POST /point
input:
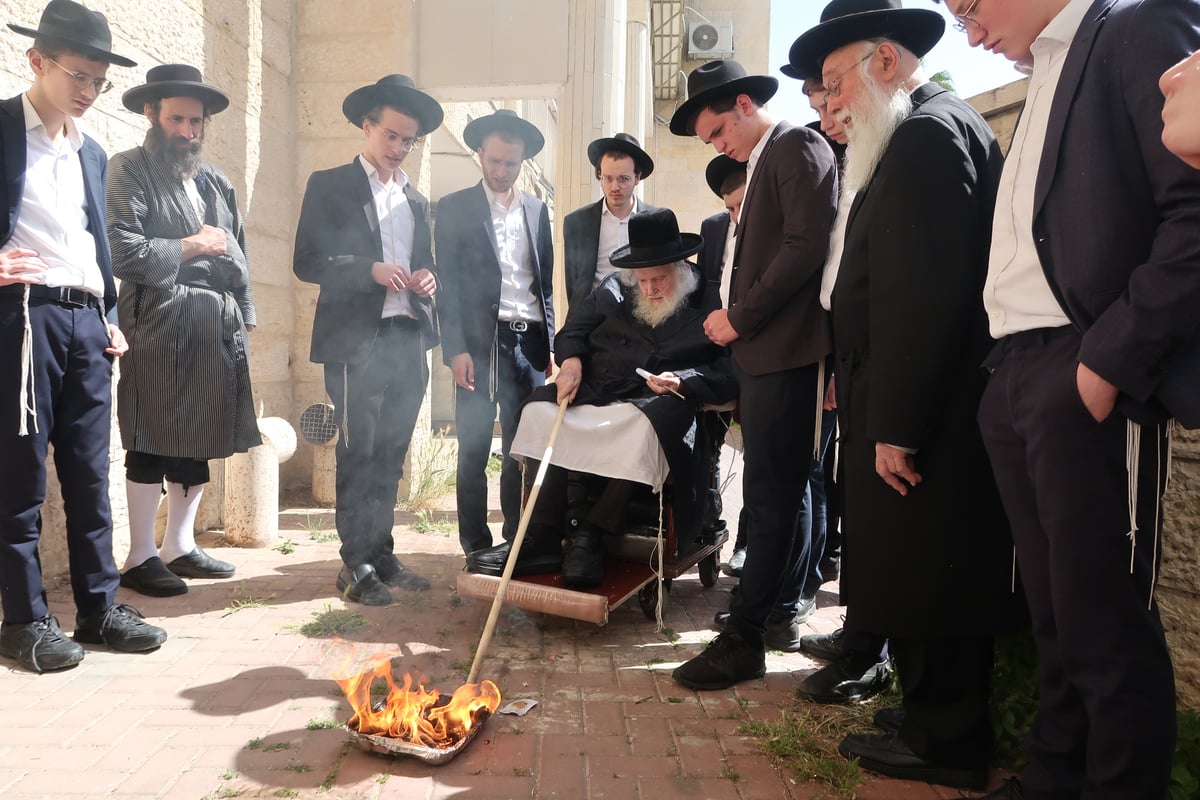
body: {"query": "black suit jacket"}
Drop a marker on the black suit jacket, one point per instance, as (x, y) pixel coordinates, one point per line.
(337, 241)
(12, 189)
(1117, 216)
(470, 274)
(581, 238)
(711, 258)
(782, 244)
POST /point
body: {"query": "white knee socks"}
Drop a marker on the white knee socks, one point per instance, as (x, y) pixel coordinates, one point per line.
(181, 521)
(143, 507)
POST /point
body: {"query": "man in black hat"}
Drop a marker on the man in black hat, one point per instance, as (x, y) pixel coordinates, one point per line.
(779, 336)
(179, 249)
(364, 237)
(647, 316)
(496, 249)
(591, 233)
(58, 335)
(1091, 291)
(910, 333)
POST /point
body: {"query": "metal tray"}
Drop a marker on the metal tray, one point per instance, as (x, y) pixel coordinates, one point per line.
(390, 746)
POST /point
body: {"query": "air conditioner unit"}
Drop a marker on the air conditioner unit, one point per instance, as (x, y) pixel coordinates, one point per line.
(710, 38)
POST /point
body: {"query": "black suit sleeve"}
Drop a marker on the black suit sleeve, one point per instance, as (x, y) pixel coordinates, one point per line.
(452, 256)
(318, 257)
(545, 247)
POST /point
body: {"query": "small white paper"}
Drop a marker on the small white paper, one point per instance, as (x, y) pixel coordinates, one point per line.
(518, 707)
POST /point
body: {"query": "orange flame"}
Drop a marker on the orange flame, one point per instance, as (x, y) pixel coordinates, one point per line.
(411, 712)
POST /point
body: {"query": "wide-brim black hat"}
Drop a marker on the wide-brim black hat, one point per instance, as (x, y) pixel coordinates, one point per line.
(83, 30)
(719, 169)
(655, 240)
(714, 80)
(847, 21)
(175, 80)
(622, 143)
(397, 90)
(505, 121)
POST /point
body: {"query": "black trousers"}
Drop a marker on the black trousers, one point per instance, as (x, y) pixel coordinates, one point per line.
(73, 389)
(1105, 726)
(376, 404)
(778, 417)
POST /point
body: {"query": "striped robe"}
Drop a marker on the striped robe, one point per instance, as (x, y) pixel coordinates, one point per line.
(185, 382)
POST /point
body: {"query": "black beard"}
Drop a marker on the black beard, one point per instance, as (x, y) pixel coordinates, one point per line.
(183, 162)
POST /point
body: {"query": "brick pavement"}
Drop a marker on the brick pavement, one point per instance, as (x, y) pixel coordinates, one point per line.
(235, 703)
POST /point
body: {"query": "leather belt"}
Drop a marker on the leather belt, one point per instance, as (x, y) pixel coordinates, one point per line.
(63, 295)
(519, 325)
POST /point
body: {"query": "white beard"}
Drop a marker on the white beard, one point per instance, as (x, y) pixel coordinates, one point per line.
(656, 313)
(874, 119)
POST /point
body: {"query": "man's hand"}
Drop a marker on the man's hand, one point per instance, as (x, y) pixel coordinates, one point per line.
(422, 283)
(718, 329)
(392, 276)
(1098, 395)
(892, 464)
(664, 382)
(19, 265)
(117, 346)
(463, 368)
(570, 374)
(830, 395)
(208, 241)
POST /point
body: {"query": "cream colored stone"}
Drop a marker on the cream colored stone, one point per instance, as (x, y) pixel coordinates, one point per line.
(252, 482)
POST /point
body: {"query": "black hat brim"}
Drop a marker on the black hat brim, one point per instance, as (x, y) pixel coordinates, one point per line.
(429, 113)
(761, 87)
(641, 159)
(215, 101)
(918, 29)
(83, 49)
(625, 258)
(718, 170)
(478, 129)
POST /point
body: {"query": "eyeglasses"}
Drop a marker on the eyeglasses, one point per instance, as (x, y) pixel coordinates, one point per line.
(621, 180)
(833, 88)
(965, 21)
(83, 80)
(407, 142)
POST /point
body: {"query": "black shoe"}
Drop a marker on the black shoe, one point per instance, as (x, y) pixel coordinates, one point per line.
(532, 560)
(804, 610)
(39, 646)
(393, 573)
(729, 659)
(783, 635)
(583, 564)
(121, 628)
(825, 646)
(849, 679)
(362, 585)
(199, 564)
(151, 577)
(830, 567)
(733, 567)
(1009, 790)
(887, 754)
(889, 719)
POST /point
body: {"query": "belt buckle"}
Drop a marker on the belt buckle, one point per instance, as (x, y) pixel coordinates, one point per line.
(65, 296)
(519, 325)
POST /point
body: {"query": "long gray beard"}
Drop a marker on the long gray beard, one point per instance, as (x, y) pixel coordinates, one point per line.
(183, 164)
(874, 119)
(655, 314)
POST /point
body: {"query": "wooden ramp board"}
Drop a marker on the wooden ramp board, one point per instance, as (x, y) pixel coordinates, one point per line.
(548, 595)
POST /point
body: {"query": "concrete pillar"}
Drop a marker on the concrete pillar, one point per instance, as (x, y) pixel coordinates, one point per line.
(252, 482)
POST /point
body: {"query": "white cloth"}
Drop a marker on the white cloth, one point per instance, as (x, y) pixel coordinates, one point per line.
(837, 243)
(752, 164)
(727, 261)
(517, 300)
(193, 195)
(396, 229)
(616, 441)
(1016, 295)
(53, 219)
(614, 233)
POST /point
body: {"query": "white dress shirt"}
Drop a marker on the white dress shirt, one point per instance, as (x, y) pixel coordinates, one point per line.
(53, 219)
(1016, 295)
(752, 164)
(837, 243)
(614, 233)
(517, 300)
(193, 195)
(727, 260)
(396, 229)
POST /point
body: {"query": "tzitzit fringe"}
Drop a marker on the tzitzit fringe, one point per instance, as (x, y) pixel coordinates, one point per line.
(658, 570)
(1133, 444)
(28, 397)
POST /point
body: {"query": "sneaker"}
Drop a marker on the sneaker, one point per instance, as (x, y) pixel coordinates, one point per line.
(122, 628)
(199, 564)
(851, 678)
(728, 660)
(152, 578)
(825, 646)
(39, 646)
(783, 635)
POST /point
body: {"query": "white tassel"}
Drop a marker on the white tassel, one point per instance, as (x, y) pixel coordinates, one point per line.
(820, 409)
(1158, 462)
(1133, 447)
(28, 397)
(1013, 579)
(659, 570)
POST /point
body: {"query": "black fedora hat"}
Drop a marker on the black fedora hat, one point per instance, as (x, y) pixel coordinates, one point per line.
(175, 80)
(655, 240)
(506, 121)
(622, 143)
(81, 29)
(719, 169)
(714, 80)
(847, 21)
(399, 90)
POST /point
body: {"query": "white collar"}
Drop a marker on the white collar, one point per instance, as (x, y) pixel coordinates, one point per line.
(33, 120)
(398, 175)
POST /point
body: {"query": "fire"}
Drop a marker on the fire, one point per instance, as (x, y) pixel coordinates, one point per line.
(412, 712)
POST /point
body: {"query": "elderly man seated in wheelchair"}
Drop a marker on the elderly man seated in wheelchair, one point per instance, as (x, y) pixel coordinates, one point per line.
(636, 367)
